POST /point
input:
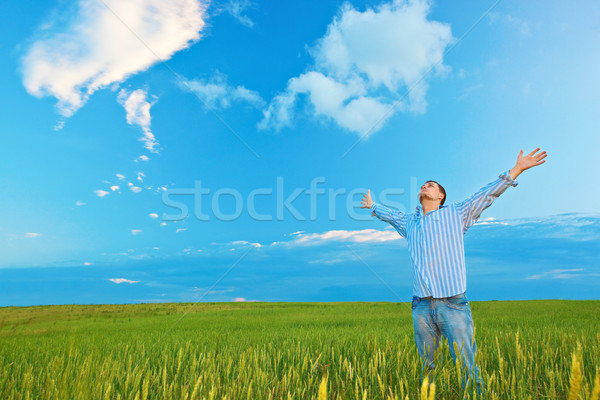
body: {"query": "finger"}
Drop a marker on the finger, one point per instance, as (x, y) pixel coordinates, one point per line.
(542, 157)
(533, 152)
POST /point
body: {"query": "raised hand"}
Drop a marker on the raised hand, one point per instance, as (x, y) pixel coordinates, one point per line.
(366, 201)
(530, 160)
(525, 162)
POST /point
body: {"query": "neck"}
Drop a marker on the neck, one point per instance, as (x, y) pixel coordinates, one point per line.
(429, 206)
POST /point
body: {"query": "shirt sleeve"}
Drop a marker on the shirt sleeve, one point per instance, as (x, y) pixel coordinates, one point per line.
(395, 218)
(471, 208)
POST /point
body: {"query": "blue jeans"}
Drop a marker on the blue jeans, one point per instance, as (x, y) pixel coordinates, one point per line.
(448, 317)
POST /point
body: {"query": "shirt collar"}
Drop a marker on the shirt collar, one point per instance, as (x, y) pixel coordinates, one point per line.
(419, 209)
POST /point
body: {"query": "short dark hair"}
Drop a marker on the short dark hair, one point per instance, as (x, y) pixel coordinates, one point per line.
(441, 189)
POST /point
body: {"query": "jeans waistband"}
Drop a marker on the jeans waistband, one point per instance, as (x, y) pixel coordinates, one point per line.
(458, 296)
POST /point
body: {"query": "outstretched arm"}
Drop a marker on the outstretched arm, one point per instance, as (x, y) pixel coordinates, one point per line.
(526, 162)
(471, 208)
(395, 218)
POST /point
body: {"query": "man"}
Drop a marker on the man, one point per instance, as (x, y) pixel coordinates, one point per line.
(435, 244)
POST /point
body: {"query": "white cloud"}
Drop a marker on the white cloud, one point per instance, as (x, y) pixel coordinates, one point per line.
(135, 231)
(101, 193)
(79, 203)
(364, 64)
(121, 280)
(114, 188)
(135, 189)
(137, 108)
(572, 226)
(565, 273)
(31, 234)
(242, 300)
(59, 125)
(153, 215)
(87, 264)
(120, 176)
(519, 24)
(217, 93)
(237, 9)
(490, 221)
(142, 158)
(180, 230)
(326, 261)
(361, 236)
(245, 242)
(94, 48)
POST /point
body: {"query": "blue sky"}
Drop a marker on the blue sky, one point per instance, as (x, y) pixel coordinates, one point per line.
(108, 109)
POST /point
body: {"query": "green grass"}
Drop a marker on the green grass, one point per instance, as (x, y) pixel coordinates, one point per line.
(284, 350)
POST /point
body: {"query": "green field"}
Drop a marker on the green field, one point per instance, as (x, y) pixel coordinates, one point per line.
(526, 350)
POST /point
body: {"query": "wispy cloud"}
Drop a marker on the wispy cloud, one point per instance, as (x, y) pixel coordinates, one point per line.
(363, 65)
(300, 238)
(137, 108)
(120, 176)
(133, 188)
(490, 221)
(245, 242)
(79, 203)
(96, 46)
(360, 236)
(327, 261)
(565, 273)
(135, 231)
(219, 94)
(101, 193)
(121, 280)
(521, 25)
(153, 215)
(237, 9)
(572, 226)
(30, 235)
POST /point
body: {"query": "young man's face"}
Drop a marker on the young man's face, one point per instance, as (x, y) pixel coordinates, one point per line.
(430, 191)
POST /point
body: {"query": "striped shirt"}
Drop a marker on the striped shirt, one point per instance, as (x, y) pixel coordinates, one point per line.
(435, 240)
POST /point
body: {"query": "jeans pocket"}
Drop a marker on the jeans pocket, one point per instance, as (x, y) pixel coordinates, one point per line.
(415, 301)
(457, 302)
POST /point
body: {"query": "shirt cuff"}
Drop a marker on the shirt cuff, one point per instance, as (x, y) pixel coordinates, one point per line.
(506, 176)
(372, 209)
